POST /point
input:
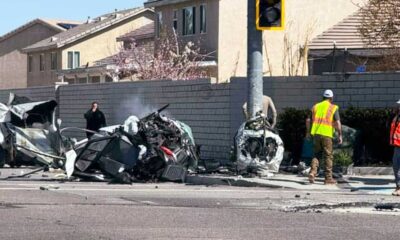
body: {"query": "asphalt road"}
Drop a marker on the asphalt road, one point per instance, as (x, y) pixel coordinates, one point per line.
(79, 210)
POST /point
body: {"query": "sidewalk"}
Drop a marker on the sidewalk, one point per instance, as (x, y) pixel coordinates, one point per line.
(370, 184)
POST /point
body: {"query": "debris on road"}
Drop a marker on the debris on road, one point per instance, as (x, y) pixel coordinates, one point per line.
(152, 148)
(48, 187)
(28, 174)
(29, 134)
(387, 206)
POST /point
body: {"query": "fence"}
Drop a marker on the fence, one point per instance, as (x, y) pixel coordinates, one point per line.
(213, 111)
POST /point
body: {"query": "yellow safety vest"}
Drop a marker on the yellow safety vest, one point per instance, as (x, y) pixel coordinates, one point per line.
(323, 119)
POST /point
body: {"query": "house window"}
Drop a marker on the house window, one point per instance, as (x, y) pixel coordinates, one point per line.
(41, 62)
(159, 23)
(30, 63)
(77, 59)
(203, 19)
(74, 60)
(175, 20)
(189, 21)
(53, 57)
(70, 59)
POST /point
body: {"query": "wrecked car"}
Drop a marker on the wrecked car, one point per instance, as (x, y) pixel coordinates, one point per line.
(152, 148)
(29, 134)
(258, 148)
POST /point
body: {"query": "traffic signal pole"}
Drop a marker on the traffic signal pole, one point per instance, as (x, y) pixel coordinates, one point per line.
(254, 62)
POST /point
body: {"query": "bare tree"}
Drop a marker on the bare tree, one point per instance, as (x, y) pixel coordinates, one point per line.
(380, 31)
(295, 51)
(169, 60)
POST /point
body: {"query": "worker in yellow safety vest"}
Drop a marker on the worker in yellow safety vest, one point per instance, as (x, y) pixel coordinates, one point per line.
(395, 142)
(325, 119)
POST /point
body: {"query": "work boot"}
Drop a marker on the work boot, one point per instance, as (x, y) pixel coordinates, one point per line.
(313, 170)
(311, 178)
(330, 181)
(396, 192)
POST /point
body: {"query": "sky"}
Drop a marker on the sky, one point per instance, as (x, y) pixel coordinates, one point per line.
(14, 13)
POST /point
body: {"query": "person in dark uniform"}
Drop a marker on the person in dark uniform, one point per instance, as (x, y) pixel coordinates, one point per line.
(95, 119)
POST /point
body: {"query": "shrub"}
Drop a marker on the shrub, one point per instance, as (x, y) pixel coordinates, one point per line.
(343, 158)
(292, 129)
(372, 145)
(372, 142)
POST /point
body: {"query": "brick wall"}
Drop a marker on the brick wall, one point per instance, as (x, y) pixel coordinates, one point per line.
(203, 106)
(36, 94)
(213, 111)
(369, 90)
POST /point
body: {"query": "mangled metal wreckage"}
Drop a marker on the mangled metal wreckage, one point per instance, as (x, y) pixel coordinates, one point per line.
(258, 148)
(154, 147)
(29, 133)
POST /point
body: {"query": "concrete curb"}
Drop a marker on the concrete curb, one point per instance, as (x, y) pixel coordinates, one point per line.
(229, 181)
(275, 183)
(372, 171)
(294, 182)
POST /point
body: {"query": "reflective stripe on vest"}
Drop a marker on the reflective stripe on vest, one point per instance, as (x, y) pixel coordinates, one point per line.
(323, 113)
(395, 132)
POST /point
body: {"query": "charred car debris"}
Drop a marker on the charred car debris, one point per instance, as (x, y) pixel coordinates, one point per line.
(29, 133)
(154, 147)
(258, 148)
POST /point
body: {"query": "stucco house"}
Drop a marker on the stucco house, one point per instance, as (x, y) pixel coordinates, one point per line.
(341, 48)
(220, 28)
(64, 56)
(13, 62)
(104, 70)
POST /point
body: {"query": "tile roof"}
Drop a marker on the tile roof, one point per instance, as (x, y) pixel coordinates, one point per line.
(147, 31)
(92, 26)
(110, 60)
(345, 34)
(58, 25)
(62, 24)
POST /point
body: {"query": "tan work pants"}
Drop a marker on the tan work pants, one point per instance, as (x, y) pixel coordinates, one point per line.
(323, 150)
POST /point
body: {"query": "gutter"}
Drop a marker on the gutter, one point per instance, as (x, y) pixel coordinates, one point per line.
(160, 3)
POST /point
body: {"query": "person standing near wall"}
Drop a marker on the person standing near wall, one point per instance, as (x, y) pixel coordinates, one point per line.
(268, 104)
(325, 119)
(395, 142)
(95, 119)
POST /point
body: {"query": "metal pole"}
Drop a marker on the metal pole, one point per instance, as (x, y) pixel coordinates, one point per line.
(254, 62)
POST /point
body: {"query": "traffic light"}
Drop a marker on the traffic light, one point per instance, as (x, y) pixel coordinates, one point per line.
(270, 14)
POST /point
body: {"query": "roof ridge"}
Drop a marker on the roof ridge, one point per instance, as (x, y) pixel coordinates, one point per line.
(86, 29)
(33, 22)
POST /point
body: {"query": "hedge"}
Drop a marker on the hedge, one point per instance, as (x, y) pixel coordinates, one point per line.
(372, 145)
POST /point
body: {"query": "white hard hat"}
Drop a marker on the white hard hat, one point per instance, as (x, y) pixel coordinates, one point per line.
(328, 93)
(398, 102)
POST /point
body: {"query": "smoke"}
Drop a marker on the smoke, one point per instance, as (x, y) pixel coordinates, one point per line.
(136, 106)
